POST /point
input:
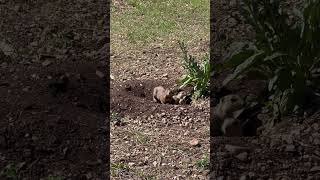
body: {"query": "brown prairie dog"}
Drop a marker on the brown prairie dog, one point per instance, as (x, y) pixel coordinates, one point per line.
(180, 97)
(162, 95)
(225, 115)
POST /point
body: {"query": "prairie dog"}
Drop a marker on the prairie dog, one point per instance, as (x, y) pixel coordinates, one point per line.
(180, 98)
(162, 95)
(225, 115)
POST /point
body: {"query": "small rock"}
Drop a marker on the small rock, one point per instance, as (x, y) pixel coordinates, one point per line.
(46, 63)
(232, 22)
(287, 139)
(233, 3)
(26, 89)
(290, 148)
(165, 75)
(4, 65)
(34, 43)
(89, 175)
(112, 77)
(315, 126)
(155, 163)
(316, 141)
(6, 48)
(220, 178)
(100, 74)
(131, 163)
(233, 149)
(65, 151)
(251, 174)
(243, 177)
(194, 142)
(242, 156)
(315, 169)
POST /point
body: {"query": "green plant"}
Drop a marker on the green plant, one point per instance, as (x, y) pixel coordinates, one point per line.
(286, 54)
(141, 137)
(203, 163)
(10, 172)
(197, 75)
(114, 116)
(116, 168)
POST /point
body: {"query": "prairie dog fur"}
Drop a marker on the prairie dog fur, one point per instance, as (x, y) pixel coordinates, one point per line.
(180, 98)
(162, 95)
(225, 115)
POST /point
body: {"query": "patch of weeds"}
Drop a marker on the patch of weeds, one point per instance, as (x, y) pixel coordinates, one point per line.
(141, 138)
(114, 117)
(203, 163)
(284, 53)
(10, 172)
(198, 75)
(141, 174)
(117, 168)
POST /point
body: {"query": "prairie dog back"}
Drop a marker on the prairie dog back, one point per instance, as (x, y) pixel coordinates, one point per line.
(162, 95)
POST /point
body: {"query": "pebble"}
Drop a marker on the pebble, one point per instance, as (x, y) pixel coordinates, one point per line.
(233, 149)
(4, 65)
(242, 156)
(46, 63)
(26, 89)
(315, 169)
(194, 142)
(100, 74)
(243, 177)
(290, 148)
(155, 163)
(232, 22)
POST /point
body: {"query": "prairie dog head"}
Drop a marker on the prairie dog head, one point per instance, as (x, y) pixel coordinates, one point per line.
(180, 97)
(230, 106)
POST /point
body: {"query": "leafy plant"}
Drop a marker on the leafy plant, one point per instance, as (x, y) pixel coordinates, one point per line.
(10, 172)
(286, 54)
(197, 75)
(116, 168)
(203, 163)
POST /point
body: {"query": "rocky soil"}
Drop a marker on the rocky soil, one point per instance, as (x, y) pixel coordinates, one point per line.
(52, 90)
(289, 150)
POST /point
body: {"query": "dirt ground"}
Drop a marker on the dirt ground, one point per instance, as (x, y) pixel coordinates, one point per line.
(150, 140)
(289, 150)
(154, 139)
(53, 93)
